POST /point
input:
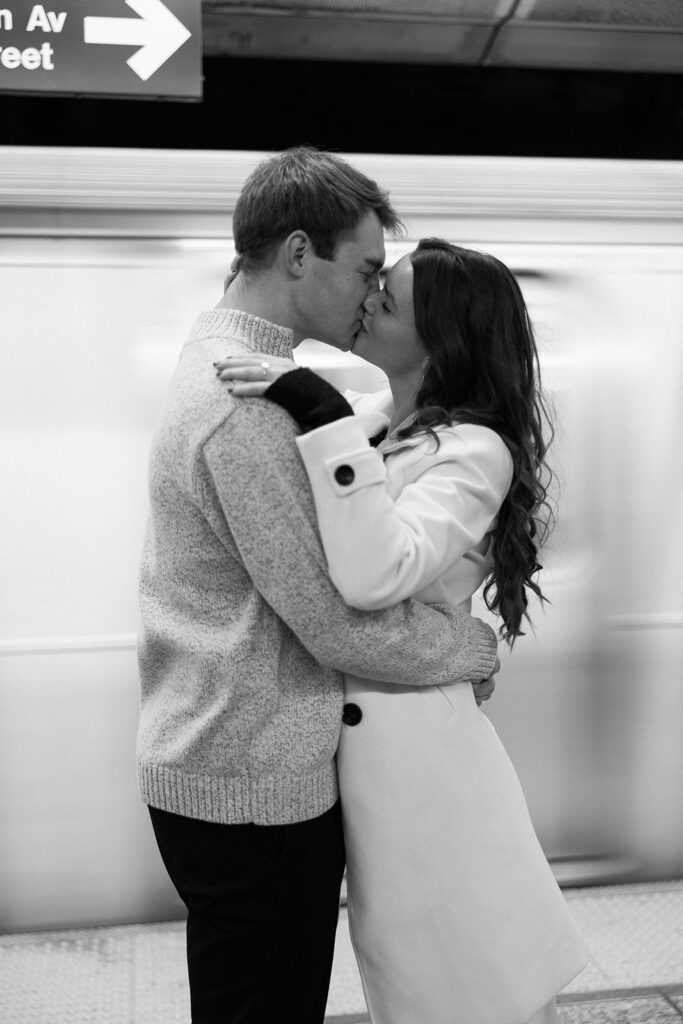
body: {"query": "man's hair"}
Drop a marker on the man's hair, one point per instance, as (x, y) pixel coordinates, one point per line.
(309, 190)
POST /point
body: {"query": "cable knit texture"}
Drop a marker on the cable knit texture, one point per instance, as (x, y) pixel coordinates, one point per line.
(244, 638)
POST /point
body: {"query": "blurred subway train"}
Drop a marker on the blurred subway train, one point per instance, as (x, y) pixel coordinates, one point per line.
(106, 257)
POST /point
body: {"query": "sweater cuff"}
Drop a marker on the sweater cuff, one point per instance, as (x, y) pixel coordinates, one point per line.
(308, 399)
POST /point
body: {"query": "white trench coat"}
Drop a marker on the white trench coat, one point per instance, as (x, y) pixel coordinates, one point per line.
(455, 915)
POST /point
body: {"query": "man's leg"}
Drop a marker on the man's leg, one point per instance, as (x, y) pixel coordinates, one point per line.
(262, 907)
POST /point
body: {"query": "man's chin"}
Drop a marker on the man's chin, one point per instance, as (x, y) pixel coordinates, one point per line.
(358, 344)
(357, 340)
(342, 344)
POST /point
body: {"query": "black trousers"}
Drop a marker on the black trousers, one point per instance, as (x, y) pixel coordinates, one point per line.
(262, 906)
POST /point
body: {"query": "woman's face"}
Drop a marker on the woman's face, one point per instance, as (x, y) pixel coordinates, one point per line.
(388, 337)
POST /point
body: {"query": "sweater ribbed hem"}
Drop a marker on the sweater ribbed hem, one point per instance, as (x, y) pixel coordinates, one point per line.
(256, 334)
(485, 656)
(268, 800)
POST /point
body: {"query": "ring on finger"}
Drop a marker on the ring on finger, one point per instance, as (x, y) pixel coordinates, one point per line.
(266, 367)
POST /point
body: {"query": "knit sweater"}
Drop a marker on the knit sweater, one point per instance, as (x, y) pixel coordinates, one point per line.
(244, 639)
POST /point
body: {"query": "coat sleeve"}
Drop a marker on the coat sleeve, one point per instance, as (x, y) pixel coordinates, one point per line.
(381, 550)
(251, 482)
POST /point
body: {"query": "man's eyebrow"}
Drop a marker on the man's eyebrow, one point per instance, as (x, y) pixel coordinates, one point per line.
(376, 264)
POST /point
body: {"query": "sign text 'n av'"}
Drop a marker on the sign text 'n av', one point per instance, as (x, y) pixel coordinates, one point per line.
(99, 47)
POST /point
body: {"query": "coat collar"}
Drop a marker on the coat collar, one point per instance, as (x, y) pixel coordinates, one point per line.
(374, 412)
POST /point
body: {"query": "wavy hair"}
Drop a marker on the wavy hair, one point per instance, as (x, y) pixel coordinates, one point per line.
(483, 368)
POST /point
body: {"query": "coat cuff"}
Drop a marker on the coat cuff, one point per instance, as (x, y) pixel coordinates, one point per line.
(308, 398)
(339, 457)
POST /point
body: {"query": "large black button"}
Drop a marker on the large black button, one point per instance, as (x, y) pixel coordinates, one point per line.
(352, 714)
(344, 475)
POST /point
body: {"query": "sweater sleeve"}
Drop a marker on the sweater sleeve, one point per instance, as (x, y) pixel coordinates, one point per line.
(250, 480)
(380, 549)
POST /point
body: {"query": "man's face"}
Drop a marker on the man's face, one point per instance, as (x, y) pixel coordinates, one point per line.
(336, 289)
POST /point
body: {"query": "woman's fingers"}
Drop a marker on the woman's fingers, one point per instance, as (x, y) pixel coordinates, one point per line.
(252, 368)
(260, 370)
(253, 389)
(255, 360)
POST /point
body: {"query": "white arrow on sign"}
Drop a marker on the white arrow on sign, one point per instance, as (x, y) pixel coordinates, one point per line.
(156, 31)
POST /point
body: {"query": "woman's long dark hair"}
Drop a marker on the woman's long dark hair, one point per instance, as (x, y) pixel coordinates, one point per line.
(483, 368)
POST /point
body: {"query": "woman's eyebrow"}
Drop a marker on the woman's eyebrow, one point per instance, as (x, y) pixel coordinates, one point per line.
(390, 296)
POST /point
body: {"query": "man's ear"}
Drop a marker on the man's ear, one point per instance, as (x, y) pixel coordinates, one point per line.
(296, 252)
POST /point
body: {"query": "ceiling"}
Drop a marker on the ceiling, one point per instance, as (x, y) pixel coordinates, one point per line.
(600, 35)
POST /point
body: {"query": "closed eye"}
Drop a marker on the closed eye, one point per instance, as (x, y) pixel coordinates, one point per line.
(374, 271)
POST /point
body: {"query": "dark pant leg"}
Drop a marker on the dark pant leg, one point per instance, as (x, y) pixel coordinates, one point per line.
(262, 907)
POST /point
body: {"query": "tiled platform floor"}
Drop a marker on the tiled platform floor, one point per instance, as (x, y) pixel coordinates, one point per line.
(136, 974)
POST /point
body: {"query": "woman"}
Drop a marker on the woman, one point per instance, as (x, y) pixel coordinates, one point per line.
(454, 913)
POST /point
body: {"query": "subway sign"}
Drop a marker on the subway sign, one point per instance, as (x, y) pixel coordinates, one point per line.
(127, 48)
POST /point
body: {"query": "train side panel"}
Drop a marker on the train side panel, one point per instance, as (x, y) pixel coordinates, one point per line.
(101, 276)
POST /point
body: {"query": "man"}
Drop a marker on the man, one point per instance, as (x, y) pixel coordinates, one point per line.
(244, 638)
